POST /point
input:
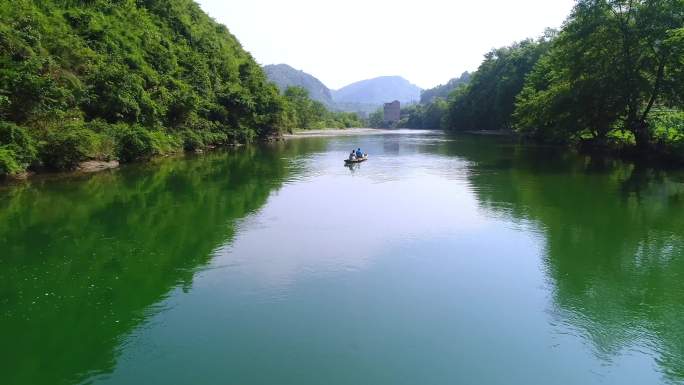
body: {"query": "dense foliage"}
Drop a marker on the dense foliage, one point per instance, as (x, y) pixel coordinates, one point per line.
(613, 76)
(285, 76)
(428, 116)
(126, 79)
(376, 118)
(586, 88)
(443, 90)
(431, 113)
(489, 99)
(305, 113)
(483, 100)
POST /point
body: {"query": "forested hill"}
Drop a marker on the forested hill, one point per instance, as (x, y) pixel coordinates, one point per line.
(443, 90)
(378, 90)
(611, 79)
(285, 76)
(123, 79)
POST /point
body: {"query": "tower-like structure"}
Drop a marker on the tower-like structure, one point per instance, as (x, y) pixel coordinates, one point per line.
(392, 112)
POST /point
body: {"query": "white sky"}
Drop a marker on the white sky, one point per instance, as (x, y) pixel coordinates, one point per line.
(428, 42)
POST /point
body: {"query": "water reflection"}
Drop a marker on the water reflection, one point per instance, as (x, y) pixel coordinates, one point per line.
(414, 261)
(82, 262)
(614, 241)
(353, 167)
(332, 223)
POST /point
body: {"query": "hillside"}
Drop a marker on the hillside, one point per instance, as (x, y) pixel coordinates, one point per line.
(377, 91)
(443, 90)
(285, 76)
(123, 79)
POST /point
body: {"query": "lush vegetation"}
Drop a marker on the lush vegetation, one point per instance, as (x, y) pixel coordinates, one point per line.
(305, 113)
(613, 76)
(125, 79)
(443, 90)
(428, 116)
(431, 112)
(485, 99)
(488, 101)
(130, 79)
(376, 118)
(285, 76)
(586, 88)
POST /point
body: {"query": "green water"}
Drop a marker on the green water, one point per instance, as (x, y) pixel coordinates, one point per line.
(463, 260)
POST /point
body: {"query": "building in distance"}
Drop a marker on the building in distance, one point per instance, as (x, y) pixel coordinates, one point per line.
(392, 112)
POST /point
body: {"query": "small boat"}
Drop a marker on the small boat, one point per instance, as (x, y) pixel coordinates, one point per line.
(357, 160)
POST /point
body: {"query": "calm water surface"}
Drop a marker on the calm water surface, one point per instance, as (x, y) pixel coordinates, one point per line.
(441, 260)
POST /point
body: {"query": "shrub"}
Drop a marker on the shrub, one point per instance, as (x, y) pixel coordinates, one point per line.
(135, 143)
(215, 138)
(18, 140)
(667, 126)
(164, 143)
(8, 162)
(65, 148)
(105, 146)
(192, 141)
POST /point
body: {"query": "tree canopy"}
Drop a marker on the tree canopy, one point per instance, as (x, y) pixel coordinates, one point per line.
(612, 76)
(614, 62)
(488, 101)
(443, 90)
(305, 113)
(124, 79)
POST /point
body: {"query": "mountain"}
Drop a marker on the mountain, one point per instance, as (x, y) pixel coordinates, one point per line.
(364, 96)
(145, 77)
(443, 90)
(285, 76)
(377, 91)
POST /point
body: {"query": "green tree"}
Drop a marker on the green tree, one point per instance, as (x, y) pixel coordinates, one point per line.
(376, 118)
(488, 101)
(305, 113)
(302, 105)
(612, 63)
(443, 90)
(431, 116)
(161, 65)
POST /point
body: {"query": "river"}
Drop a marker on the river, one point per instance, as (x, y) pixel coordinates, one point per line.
(440, 260)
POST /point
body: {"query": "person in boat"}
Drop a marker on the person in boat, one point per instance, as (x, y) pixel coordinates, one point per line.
(352, 156)
(359, 154)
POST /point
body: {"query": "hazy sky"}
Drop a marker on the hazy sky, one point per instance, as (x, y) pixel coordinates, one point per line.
(340, 42)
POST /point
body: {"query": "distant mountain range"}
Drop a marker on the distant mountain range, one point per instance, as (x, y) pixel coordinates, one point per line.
(285, 76)
(363, 96)
(378, 90)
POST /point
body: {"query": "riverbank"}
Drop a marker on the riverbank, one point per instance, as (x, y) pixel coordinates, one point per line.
(510, 133)
(92, 166)
(335, 132)
(87, 167)
(95, 166)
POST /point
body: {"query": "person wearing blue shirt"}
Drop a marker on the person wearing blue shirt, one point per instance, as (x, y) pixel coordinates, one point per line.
(359, 154)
